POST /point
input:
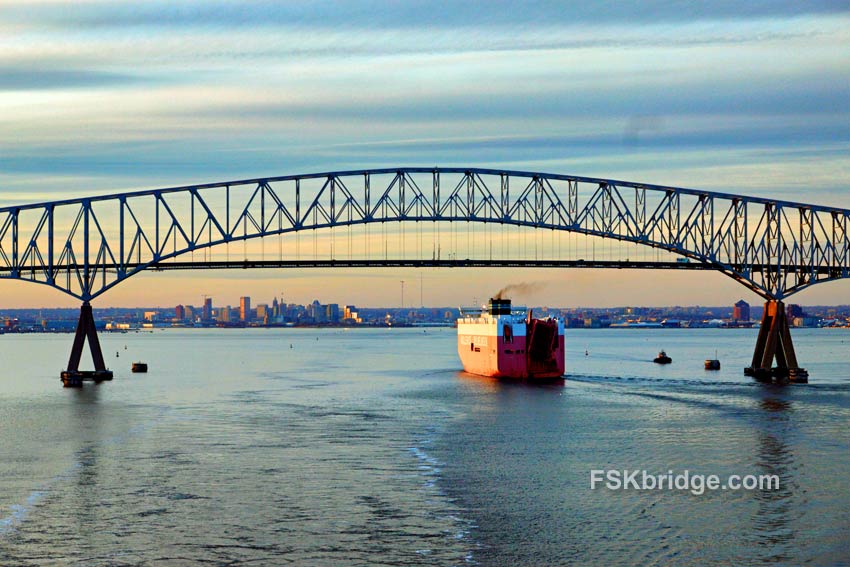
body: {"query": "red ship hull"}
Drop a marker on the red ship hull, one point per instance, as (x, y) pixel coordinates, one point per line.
(509, 361)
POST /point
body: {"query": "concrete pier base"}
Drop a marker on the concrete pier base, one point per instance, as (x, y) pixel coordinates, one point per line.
(774, 342)
(73, 377)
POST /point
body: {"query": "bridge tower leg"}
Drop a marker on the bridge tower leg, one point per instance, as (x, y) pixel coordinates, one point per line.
(774, 341)
(73, 377)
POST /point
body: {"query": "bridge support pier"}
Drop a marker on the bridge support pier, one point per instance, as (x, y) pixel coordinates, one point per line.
(73, 377)
(774, 341)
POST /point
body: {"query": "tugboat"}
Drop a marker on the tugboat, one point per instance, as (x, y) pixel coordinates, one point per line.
(712, 363)
(662, 358)
(502, 343)
(139, 367)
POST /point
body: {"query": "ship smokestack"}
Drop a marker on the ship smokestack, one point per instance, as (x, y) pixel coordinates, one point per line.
(500, 306)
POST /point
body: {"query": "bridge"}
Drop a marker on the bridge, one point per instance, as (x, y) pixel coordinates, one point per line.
(84, 247)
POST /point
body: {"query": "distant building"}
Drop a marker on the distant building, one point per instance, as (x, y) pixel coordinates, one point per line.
(206, 315)
(349, 313)
(224, 314)
(180, 313)
(332, 312)
(741, 311)
(245, 308)
(317, 312)
(150, 315)
(793, 311)
(190, 313)
(805, 321)
(262, 311)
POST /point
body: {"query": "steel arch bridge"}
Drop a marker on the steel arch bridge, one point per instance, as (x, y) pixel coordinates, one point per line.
(86, 246)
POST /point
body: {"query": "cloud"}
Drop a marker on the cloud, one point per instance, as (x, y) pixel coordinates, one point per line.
(820, 102)
(376, 14)
(26, 79)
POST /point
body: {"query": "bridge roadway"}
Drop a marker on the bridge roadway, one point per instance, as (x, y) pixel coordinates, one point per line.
(248, 264)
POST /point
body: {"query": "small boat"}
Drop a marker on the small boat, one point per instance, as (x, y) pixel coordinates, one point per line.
(662, 358)
(712, 363)
(139, 367)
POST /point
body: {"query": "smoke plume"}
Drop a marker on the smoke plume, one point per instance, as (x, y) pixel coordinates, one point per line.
(524, 289)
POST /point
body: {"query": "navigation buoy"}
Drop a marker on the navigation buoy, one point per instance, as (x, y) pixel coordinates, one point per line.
(712, 363)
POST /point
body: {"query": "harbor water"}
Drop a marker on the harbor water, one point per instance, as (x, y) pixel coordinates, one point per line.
(371, 447)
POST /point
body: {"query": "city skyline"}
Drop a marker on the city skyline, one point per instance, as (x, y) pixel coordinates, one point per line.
(210, 304)
(441, 288)
(287, 314)
(106, 97)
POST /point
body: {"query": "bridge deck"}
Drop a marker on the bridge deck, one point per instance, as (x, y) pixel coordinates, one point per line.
(408, 263)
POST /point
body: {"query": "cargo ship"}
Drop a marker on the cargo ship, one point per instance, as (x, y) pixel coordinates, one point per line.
(505, 344)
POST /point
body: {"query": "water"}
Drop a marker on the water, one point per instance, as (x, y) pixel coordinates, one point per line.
(368, 447)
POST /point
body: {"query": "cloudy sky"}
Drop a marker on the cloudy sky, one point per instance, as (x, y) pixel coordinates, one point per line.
(746, 97)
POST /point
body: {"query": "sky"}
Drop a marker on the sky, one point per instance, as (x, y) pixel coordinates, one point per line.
(100, 97)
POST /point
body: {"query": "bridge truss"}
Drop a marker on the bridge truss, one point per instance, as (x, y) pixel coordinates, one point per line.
(86, 246)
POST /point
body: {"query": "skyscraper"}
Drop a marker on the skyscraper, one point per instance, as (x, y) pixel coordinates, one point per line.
(179, 312)
(245, 309)
(332, 312)
(317, 311)
(207, 312)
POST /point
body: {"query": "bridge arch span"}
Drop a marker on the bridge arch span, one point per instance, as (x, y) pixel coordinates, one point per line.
(86, 246)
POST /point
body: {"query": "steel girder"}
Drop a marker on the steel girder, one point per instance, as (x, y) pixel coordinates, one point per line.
(86, 246)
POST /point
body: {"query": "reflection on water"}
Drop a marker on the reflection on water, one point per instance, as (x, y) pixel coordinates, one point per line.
(776, 515)
(83, 497)
(493, 385)
(87, 422)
